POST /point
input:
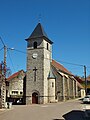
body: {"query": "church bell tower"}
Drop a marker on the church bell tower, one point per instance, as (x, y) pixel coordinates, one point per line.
(39, 57)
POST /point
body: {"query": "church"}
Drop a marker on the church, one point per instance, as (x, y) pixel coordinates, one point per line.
(46, 80)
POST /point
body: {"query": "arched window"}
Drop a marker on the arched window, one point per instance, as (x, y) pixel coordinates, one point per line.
(47, 46)
(35, 45)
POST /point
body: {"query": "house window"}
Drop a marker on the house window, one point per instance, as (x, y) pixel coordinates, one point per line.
(21, 93)
(47, 46)
(52, 84)
(14, 92)
(35, 45)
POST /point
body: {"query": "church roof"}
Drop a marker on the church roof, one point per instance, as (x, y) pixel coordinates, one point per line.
(39, 32)
(51, 75)
(58, 66)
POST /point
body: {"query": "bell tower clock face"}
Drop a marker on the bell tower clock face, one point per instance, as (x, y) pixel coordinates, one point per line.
(35, 55)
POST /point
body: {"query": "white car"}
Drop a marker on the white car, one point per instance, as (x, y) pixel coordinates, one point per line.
(86, 99)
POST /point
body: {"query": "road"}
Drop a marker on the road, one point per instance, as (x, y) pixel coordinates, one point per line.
(70, 110)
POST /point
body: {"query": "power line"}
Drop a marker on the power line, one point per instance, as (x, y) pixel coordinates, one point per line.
(11, 60)
(46, 58)
(2, 41)
(72, 63)
(88, 66)
(1, 48)
(20, 51)
(88, 70)
(75, 64)
(50, 59)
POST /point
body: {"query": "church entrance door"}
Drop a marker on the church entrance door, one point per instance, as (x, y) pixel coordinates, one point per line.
(35, 98)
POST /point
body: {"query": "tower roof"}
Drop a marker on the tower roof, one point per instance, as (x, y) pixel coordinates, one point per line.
(51, 74)
(38, 33)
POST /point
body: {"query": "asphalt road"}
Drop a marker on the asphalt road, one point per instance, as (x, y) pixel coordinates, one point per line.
(70, 110)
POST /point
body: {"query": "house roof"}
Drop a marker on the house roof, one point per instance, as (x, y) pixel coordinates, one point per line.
(78, 79)
(88, 78)
(79, 85)
(39, 32)
(14, 75)
(58, 66)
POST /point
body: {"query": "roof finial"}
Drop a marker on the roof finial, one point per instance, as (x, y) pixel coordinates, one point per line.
(39, 18)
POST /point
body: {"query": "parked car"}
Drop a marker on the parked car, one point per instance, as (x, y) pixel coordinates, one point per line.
(19, 101)
(86, 99)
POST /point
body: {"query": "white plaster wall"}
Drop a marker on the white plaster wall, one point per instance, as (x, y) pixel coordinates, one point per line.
(51, 90)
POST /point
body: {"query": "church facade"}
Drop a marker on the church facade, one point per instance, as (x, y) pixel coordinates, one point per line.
(46, 80)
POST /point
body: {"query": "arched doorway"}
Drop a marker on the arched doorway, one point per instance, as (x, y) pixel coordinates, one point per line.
(34, 98)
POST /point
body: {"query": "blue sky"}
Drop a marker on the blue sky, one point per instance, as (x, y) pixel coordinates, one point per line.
(66, 22)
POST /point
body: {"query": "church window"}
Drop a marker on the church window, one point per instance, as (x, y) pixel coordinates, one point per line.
(35, 45)
(52, 84)
(47, 46)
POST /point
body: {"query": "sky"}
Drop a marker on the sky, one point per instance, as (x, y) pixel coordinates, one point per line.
(66, 22)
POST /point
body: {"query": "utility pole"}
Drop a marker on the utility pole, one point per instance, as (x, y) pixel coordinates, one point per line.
(4, 80)
(5, 55)
(85, 79)
(3, 91)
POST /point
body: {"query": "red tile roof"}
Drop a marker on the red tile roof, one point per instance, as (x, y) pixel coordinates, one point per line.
(78, 79)
(88, 78)
(14, 75)
(79, 85)
(60, 67)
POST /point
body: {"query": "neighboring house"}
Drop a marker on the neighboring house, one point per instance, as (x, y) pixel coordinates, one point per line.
(46, 80)
(79, 79)
(81, 88)
(87, 83)
(15, 86)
